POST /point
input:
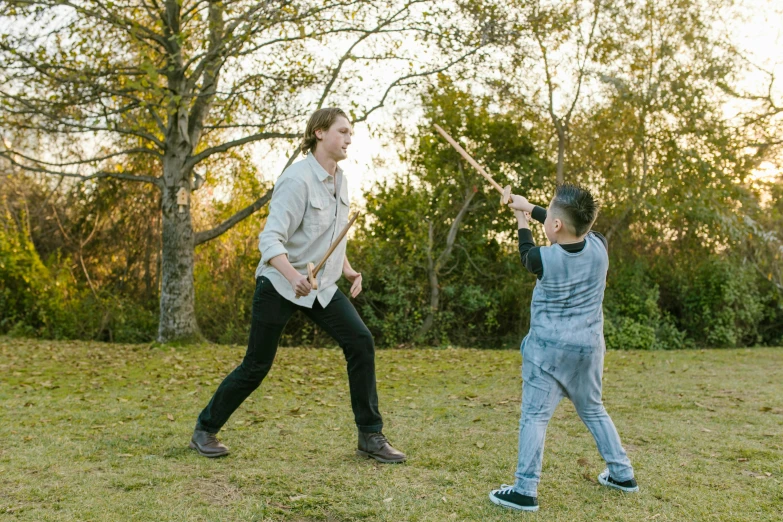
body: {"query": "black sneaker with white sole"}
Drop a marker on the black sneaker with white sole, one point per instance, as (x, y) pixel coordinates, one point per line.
(507, 497)
(629, 486)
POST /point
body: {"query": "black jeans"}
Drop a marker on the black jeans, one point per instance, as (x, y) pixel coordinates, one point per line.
(271, 312)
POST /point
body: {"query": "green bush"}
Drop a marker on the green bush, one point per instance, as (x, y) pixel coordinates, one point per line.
(634, 319)
(391, 305)
(722, 303)
(23, 280)
(624, 333)
(40, 299)
(669, 337)
(224, 282)
(631, 292)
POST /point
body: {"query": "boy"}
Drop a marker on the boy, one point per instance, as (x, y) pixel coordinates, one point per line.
(563, 353)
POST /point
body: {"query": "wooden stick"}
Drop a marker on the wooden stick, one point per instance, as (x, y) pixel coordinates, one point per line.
(312, 272)
(506, 195)
(311, 276)
(504, 192)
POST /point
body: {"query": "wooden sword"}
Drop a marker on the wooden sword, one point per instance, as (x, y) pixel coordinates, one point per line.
(505, 192)
(312, 270)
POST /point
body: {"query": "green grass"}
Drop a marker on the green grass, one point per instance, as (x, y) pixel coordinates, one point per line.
(95, 431)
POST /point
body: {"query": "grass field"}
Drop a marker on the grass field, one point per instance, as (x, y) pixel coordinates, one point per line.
(95, 431)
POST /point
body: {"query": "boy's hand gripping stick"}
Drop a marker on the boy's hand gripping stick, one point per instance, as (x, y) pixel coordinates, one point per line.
(505, 192)
(312, 271)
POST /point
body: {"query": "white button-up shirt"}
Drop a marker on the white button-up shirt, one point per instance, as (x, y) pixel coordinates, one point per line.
(304, 219)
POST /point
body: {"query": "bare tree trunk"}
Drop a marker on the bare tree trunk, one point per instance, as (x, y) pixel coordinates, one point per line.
(434, 266)
(432, 276)
(561, 144)
(177, 292)
(148, 264)
(618, 223)
(641, 188)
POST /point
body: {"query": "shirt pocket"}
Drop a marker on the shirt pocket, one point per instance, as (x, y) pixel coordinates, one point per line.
(343, 212)
(319, 215)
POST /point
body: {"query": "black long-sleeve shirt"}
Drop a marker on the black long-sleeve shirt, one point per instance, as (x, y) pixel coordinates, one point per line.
(531, 254)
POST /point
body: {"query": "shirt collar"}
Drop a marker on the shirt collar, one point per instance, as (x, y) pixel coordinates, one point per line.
(318, 170)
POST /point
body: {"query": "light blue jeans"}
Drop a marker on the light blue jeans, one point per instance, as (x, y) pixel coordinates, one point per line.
(551, 373)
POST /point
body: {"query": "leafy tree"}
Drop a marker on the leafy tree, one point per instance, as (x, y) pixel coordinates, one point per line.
(547, 55)
(438, 243)
(93, 84)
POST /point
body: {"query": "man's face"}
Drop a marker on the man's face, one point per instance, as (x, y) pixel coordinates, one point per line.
(334, 141)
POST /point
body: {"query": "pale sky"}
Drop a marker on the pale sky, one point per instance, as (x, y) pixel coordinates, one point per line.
(760, 34)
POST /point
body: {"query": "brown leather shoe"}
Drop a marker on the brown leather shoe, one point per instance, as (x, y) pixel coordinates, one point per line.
(376, 446)
(207, 444)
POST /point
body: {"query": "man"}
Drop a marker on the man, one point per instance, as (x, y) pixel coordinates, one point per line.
(308, 210)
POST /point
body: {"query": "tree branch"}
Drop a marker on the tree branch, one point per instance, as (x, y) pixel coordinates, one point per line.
(119, 22)
(584, 61)
(452, 235)
(212, 233)
(401, 79)
(195, 160)
(97, 175)
(137, 150)
(211, 74)
(347, 53)
(208, 235)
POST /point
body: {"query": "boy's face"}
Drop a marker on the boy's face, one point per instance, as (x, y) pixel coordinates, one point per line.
(552, 225)
(334, 141)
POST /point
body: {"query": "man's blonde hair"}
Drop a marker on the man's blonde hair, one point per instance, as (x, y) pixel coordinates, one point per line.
(321, 119)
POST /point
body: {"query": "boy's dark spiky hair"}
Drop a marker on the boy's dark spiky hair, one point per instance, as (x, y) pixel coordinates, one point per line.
(576, 206)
